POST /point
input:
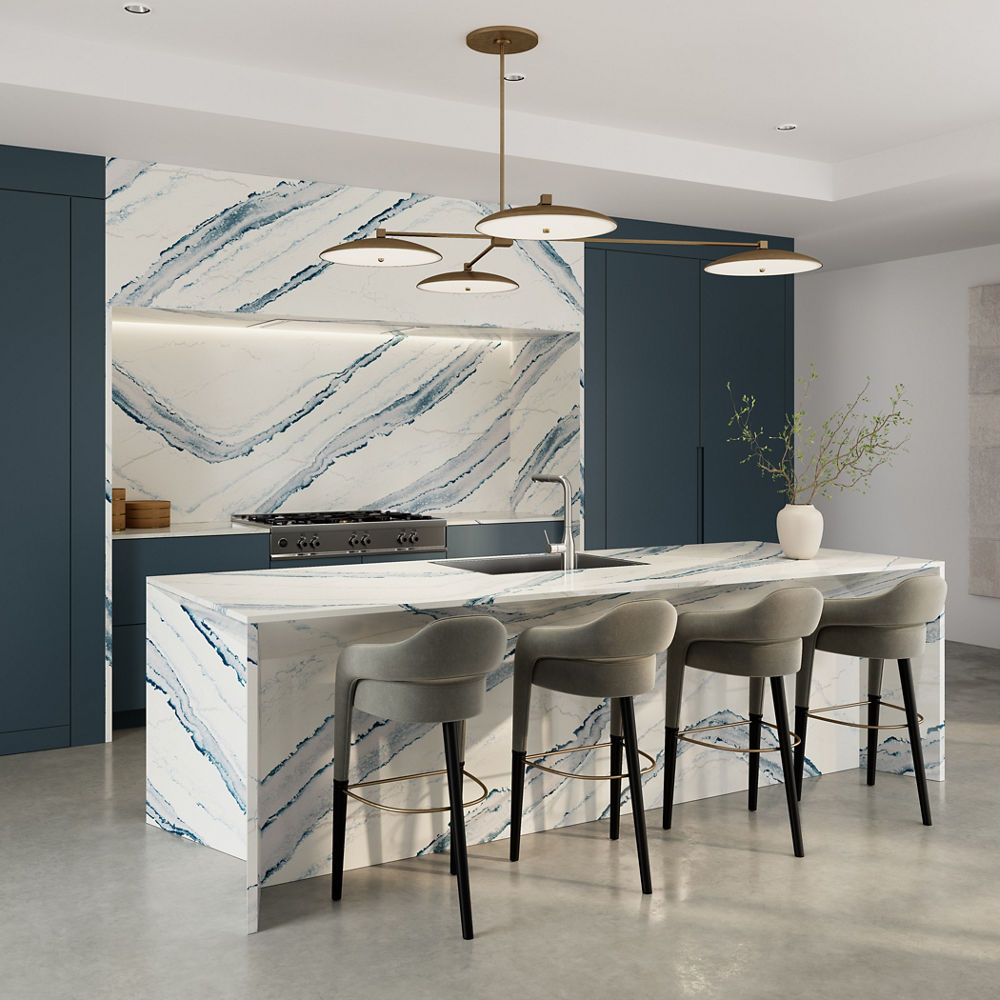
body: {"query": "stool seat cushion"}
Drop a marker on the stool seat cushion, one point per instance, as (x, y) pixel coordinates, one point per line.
(746, 659)
(873, 642)
(422, 701)
(597, 678)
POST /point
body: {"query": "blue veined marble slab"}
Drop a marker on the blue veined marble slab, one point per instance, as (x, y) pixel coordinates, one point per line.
(240, 698)
(247, 420)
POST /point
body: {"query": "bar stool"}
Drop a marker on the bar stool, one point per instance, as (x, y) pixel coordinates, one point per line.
(437, 675)
(613, 657)
(764, 640)
(887, 626)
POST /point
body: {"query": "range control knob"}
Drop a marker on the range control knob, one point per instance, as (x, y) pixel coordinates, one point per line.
(353, 540)
(414, 538)
(282, 543)
(401, 538)
(301, 542)
(366, 539)
(314, 542)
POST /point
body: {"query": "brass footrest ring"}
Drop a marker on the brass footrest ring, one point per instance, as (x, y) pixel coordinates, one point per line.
(531, 758)
(821, 716)
(796, 740)
(410, 777)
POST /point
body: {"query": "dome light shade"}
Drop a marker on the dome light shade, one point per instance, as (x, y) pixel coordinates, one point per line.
(763, 262)
(380, 251)
(459, 282)
(546, 221)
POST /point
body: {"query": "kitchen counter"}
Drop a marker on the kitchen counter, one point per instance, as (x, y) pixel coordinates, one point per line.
(191, 530)
(240, 670)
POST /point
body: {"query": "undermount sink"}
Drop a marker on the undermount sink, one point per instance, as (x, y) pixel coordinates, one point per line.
(534, 562)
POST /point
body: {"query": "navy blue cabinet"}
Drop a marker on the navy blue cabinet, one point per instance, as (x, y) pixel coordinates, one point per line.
(662, 339)
(52, 399)
(504, 539)
(133, 560)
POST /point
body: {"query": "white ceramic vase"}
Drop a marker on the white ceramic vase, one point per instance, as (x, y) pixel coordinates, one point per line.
(800, 530)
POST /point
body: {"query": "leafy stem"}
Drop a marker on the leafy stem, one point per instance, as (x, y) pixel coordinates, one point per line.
(848, 448)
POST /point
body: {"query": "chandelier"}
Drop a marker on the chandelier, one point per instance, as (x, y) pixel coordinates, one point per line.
(544, 221)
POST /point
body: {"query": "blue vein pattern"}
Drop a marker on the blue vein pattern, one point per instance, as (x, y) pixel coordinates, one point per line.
(290, 801)
(380, 419)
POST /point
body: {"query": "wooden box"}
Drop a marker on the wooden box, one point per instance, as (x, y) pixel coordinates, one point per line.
(147, 513)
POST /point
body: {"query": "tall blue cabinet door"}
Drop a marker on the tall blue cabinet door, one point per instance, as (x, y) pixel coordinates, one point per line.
(746, 339)
(35, 388)
(651, 390)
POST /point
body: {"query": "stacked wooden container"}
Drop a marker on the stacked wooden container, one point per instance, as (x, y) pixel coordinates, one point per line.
(118, 509)
(147, 513)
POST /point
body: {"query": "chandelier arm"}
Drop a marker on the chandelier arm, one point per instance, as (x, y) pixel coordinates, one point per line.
(759, 244)
(479, 256)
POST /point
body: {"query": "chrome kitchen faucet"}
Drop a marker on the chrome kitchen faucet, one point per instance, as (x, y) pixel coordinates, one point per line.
(567, 546)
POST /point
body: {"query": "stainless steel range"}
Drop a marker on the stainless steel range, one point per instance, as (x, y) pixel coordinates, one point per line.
(336, 534)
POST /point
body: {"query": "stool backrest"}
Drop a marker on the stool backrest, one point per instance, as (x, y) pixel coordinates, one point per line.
(627, 632)
(466, 646)
(782, 616)
(915, 601)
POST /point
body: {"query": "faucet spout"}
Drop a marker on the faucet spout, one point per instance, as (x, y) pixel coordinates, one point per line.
(567, 547)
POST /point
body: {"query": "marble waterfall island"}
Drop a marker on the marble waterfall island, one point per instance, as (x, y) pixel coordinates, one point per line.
(240, 670)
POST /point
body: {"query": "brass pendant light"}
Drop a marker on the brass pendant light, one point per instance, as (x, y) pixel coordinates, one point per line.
(764, 261)
(544, 221)
(380, 251)
(468, 280)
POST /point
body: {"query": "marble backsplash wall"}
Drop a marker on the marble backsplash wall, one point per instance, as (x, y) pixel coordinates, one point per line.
(417, 414)
(222, 422)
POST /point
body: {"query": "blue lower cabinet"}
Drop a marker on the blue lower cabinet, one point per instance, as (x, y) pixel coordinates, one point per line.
(134, 559)
(506, 539)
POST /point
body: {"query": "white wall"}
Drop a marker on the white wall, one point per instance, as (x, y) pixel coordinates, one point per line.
(904, 321)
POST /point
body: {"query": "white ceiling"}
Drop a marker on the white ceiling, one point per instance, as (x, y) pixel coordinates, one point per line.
(665, 111)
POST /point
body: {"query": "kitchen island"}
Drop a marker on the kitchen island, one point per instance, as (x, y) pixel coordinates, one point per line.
(240, 671)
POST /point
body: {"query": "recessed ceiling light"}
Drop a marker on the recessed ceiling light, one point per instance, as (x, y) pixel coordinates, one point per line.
(786, 127)
(513, 77)
(138, 8)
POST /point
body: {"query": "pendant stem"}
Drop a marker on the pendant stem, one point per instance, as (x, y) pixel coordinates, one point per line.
(503, 143)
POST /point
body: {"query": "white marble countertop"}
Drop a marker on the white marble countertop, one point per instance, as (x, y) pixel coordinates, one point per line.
(257, 596)
(190, 530)
(228, 528)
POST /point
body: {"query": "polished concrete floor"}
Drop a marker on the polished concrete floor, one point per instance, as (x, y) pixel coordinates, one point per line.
(93, 903)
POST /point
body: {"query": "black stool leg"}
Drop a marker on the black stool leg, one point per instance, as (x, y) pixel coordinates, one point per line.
(517, 768)
(753, 761)
(461, 771)
(756, 715)
(339, 836)
(669, 773)
(874, 704)
(916, 746)
(617, 743)
(801, 724)
(458, 850)
(785, 745)
(635, 790)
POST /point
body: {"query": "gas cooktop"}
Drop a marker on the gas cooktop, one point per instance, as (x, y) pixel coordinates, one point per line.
(341, 533)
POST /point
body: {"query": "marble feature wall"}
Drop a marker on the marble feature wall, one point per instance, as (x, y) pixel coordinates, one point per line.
(984, 440)
(182, 238)
(227, 421)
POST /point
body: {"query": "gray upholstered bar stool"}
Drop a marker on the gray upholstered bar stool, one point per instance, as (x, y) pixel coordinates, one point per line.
(437, 675)
(762, 641)
(887, 626)
(614, 657)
